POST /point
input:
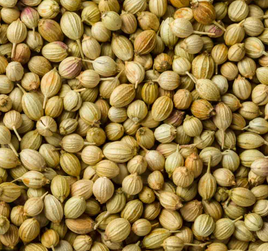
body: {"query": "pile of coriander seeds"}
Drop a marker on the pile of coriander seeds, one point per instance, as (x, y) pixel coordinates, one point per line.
(133, 125)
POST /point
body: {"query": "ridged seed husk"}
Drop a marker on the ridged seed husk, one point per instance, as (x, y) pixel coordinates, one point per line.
(259, 167)
(60, 188)
(202, 109)
(122, 47)
(29, 230)
(122, 95)
(203, 66)
(82, 188)
(31, 140)
(33, 206)
(32, 160)
(207, 90)
(53, 209)
(103, 189)
(35, 246)
(162, 108)
(118, 152)
(145, 42)
(166, 33)
(32, 106)
(74, 207)
(51, 156)
(250, 140)
(90, 113)
(9, 192)
(242, 233)
(55, 51)
(117, 230)
(81, 225)
(11, 238)
(170, 219)
(50, 84)
(8, 159)
(242, 197)
(224, 229)
(73, 21)
(169, 200)
(203, 225)
(155, 238)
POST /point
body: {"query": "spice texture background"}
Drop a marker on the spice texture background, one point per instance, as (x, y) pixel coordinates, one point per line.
(133, 125)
